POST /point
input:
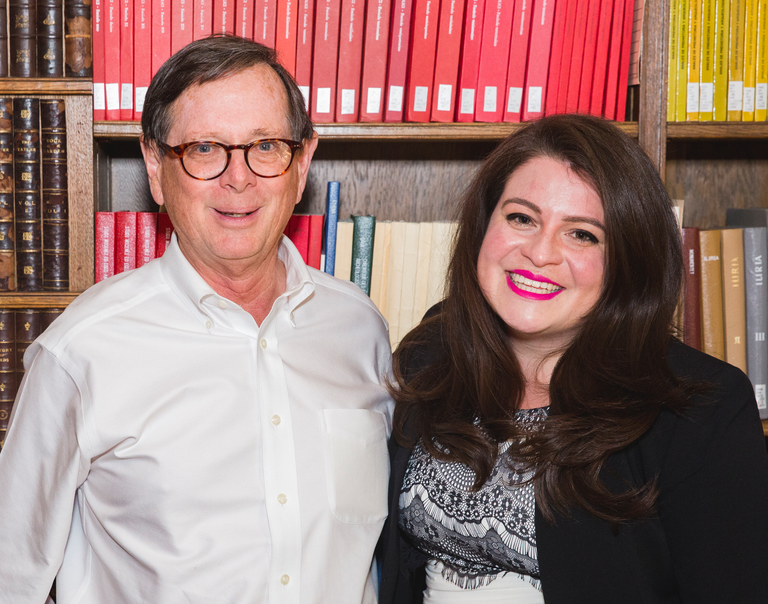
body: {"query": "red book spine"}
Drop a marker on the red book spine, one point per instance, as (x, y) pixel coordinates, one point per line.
(518, 53)
(244, 18)
(164, 232)
(577, 57)
(590, 48)
(565, 61)
(538, 60)
(223, 21)
(265, 22)
(161, 33)
(99, 92)
(300, 234)
(125, 241)
(181, 24)
(494, 59)
(614, 59)
(105, 245)
(447, 60)
(112, 59)
(421, 64)
(304, 43)
(202, 17)
(601, 58)
(327, 15)
(126, 60)
(397, 68)
(626, 44)
(146, 237)
(692, 288)
(350, 61)
(470, 60)
(375, 50)
(555, 57)
(285, 41)
(315, 244)
(142, 55)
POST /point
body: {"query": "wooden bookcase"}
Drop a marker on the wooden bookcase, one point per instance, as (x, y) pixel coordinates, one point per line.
(416, 171)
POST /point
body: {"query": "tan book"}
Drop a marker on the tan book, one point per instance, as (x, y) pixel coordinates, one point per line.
(408, 288)
(380, 264)
(344, 232)
(734, 305)
(422, 272)
(440, 256)
(712, 334)
(395, 281)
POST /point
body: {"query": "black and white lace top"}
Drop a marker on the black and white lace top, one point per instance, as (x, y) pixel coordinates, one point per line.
(476, 535)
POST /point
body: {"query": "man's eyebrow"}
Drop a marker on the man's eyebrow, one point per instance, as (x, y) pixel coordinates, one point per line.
(532, 206)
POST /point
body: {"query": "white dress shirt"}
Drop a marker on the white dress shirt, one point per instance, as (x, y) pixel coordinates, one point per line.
(164, 448)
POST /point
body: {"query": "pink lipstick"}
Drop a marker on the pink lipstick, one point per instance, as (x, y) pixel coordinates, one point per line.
(532, 287)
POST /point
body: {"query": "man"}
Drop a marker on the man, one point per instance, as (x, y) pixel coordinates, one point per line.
(210, 428)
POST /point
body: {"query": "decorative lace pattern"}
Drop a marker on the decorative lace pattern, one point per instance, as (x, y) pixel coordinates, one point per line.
(476, 535)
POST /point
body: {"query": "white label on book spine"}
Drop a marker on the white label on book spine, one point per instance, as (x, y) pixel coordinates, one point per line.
(113, 96)
(467, 104)
(126, 96)
(99, 103)
(692, 102)
(706, 97)
(141, 92)
(735, 98)
(373, 103)
(444, 97)
(420, 95)
(489, 99)
(395, 98)
(347, 101)
(749, 99)
(761, 97)
(323, 100)
(515, 99)
(534, 99)
(305, 94)
(760, 396)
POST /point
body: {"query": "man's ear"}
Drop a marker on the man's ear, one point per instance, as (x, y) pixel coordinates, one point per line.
(152, 160)
(303, 160)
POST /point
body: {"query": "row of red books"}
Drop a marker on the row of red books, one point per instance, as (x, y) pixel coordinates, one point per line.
(126, 240)
(385, 61)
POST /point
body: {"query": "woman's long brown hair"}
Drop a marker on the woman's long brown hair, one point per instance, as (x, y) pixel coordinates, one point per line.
(457, 383)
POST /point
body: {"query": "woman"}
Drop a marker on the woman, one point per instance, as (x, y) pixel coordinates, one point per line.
(552, 440)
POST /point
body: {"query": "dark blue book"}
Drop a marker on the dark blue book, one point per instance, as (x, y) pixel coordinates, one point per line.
(331, 219)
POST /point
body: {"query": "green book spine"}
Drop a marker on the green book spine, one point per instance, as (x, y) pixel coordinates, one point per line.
(362, 251)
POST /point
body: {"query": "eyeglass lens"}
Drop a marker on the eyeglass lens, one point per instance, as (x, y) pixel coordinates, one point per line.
(209, 160)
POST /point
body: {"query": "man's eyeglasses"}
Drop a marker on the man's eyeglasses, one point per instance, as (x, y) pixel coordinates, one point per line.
(206, 160)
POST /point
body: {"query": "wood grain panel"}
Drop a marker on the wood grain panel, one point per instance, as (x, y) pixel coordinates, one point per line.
(42, 300)
(653, 77)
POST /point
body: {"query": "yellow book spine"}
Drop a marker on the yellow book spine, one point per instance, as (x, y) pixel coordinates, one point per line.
(694, 61)
(682, 60)
(736, 60)
(750, 62)
(672, 63)
(720, 79)
(708, 20)
(761, 79)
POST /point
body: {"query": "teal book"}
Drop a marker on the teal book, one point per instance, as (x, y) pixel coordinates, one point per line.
(362, 251)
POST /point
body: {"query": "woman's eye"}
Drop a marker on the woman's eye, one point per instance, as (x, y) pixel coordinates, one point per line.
(519, 219)
(585, 236)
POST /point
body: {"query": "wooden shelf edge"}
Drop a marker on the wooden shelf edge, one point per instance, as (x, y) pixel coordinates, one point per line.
(46, 86)
(765, 427)
(372, 131)
(37, 300)
(722, 130)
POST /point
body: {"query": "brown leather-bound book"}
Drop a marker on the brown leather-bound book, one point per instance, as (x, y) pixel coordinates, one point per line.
(712, 332)
(29, 252)
(692, 288)
(3, 43)
(7, 369)
(7, 250)
(78, 53)
(22, 23)
(50, 46)
(55, 226)
(28, 327)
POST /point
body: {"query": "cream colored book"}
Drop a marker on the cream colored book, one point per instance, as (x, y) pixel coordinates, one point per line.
(343, 267)
(440, 255)
(379, 271)
(408, 288)
(750, 61)
(421, 291)
(395, 280)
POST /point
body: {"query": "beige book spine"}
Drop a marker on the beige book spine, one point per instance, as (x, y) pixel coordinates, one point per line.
(380, 263)
(712, 335)
(395, 281)
(734, 306)
(408, 289)
(422, 272)
(343, 267)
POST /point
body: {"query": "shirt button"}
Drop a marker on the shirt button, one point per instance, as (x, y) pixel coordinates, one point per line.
(263, 343)
(221, 304)
(209, 324)
(284, 579)
(276, 420)
(282, 499)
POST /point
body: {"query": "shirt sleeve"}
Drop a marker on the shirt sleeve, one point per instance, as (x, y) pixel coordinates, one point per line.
(714, 498)
(41, 467)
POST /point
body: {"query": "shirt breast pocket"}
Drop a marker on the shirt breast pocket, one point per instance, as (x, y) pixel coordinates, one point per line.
(357, 465)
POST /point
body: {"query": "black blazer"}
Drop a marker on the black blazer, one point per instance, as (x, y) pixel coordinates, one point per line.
(708, 542)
